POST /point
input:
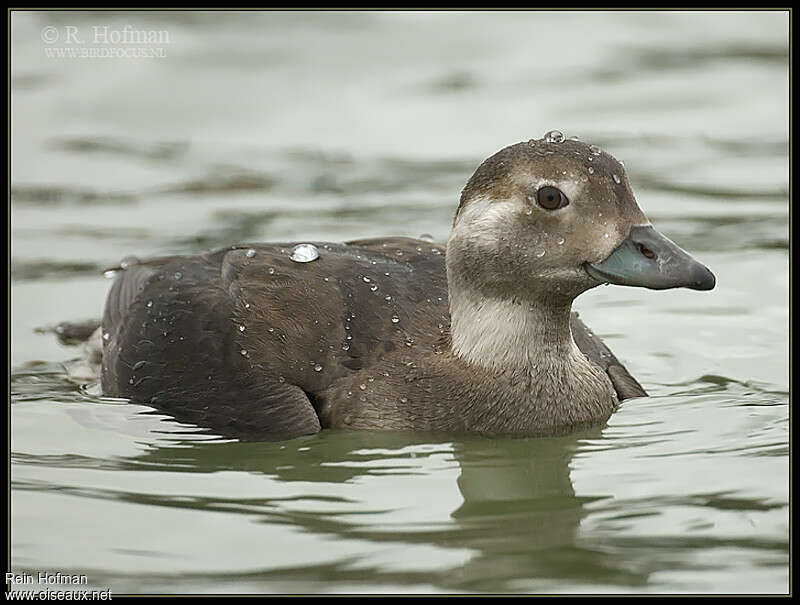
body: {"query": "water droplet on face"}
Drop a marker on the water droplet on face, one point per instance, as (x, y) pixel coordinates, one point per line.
(554, 136)
(304, 253)
(395, 319)
(616, 179)
(540, 253)
(591, 170)
(317, 368)
(560, 241)
(250, 253)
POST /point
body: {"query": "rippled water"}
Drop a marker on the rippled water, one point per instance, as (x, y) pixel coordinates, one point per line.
(320, 126)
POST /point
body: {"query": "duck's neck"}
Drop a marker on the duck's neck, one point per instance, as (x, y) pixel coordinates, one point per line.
(510, 334)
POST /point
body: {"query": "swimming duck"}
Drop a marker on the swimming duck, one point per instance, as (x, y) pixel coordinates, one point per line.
(273, 341)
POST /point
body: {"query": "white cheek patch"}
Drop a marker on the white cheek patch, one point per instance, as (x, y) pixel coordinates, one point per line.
(485, 219)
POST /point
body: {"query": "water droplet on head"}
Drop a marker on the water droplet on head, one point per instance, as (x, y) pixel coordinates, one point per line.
(109, 274)
(554, 136)
(304, 253)
(250, 253)
(595, 150)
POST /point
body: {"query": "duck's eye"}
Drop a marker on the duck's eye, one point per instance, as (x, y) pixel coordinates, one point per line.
(551, 198)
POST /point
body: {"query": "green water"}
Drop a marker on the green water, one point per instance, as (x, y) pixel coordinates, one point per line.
(331, 126)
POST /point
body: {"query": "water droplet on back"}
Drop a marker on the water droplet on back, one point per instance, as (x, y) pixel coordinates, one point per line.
(250, 253)
(304, 253)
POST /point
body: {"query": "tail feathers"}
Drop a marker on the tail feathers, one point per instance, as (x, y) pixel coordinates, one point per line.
(73, 333)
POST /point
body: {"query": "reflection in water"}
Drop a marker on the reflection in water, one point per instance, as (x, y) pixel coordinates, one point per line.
(519, 517)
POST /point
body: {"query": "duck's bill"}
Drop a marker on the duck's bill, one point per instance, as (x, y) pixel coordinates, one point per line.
(650, 260)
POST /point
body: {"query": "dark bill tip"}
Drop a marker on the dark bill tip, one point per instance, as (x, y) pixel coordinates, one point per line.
(650, 260)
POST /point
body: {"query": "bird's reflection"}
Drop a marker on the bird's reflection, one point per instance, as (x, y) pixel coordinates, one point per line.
(519, 517)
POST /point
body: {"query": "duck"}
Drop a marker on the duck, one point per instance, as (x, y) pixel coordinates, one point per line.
(272, 341)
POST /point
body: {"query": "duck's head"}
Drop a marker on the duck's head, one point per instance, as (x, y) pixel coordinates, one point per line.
(554, 217)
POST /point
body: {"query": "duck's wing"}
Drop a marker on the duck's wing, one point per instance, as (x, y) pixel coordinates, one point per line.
(171, 344)
(595, 349)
